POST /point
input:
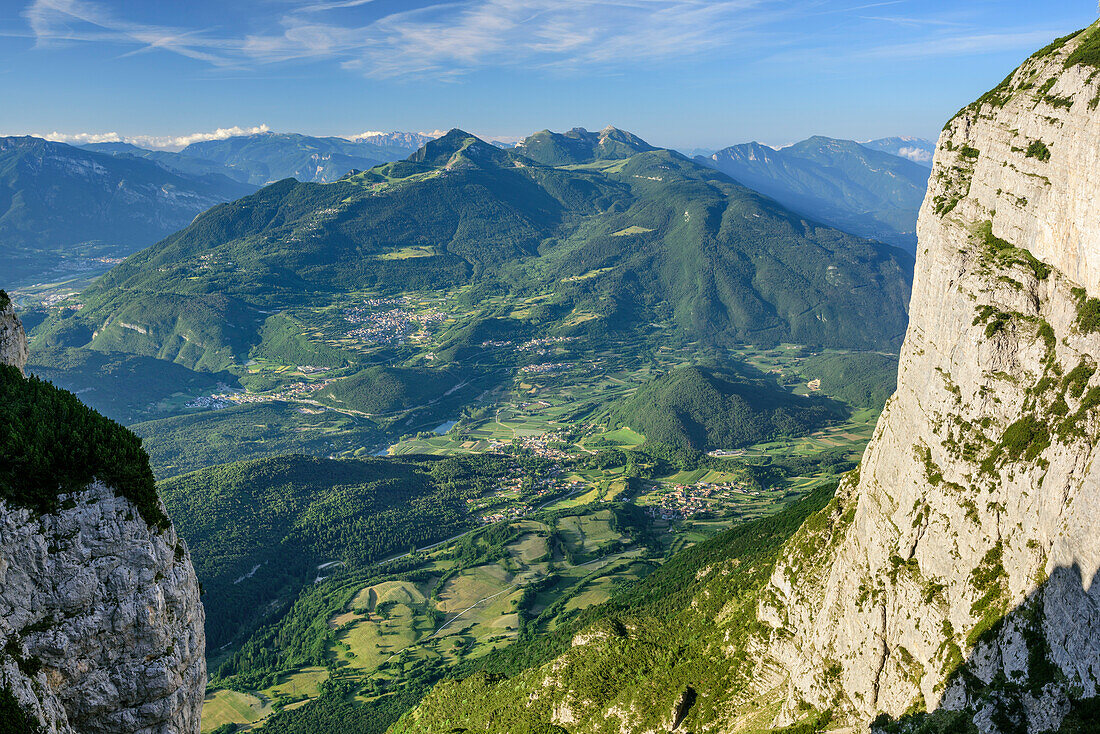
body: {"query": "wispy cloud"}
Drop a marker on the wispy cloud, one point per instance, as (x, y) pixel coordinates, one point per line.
(443, 40)
(961, 44)
(161, 142)
(58, 21)
(451, 38)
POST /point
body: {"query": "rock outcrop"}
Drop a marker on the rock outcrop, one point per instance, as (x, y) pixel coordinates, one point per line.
(101, 626)
(956, 572)
(13, 342)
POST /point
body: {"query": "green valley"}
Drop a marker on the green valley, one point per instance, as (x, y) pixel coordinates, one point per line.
(430, 420)
(538, 544)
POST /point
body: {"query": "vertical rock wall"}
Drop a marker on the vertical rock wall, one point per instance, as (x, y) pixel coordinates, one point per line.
(957, 570)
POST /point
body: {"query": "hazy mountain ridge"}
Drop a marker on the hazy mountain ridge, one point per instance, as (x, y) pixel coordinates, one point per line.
(268, 157)
(839, 182)
(58, 202)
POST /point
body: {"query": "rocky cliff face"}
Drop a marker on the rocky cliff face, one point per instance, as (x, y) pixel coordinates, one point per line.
(13, 342)
(101, 627)
(957, 571)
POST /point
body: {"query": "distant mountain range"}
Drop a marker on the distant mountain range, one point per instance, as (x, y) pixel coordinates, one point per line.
(396, 140)
(610, 234)
(264, 158)
(917, 150)
(842, 183)
(848, 186)
(269, 157)
(66, 210)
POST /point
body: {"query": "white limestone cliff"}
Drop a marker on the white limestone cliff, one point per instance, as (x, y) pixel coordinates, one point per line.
(101, 626)
(13, 342)
(957, 571)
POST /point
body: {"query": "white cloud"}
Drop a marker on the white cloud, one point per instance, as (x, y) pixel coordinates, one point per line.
(80, 138)
(917, 155)
(157, 142)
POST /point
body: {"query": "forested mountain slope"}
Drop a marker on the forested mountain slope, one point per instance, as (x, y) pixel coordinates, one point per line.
(612, 243)
(703, 409)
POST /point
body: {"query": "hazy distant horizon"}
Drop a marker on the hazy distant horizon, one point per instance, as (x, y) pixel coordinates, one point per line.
(678, 73)
(152, 141)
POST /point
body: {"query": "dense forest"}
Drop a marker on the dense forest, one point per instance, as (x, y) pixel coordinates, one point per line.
(51, 444)
(185, 443)
(259, 530)
(861, 379)
(704, 408)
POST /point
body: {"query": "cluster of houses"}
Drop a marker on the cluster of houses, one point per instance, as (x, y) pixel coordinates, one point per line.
(546, 445)
(294, 392)
(547, 490)
(546, 367)
(687, 500)
(396, 326)
(542, 345)
(208, 402)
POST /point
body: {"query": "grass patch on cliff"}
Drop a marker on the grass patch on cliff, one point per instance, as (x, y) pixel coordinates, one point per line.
(1088, 311)
(1024, 440)
(1039, 150)
(1004, 253)
(1087, 53)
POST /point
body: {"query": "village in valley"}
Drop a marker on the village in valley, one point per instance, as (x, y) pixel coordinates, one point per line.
(547, 404)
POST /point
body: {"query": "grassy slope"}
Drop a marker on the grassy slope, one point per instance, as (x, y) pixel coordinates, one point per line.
(680, 627)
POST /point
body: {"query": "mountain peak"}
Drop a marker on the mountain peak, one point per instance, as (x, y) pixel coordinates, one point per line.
(455, 144)
(579, 145)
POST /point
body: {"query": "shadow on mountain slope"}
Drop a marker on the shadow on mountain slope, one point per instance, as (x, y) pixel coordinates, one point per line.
(1032, 669)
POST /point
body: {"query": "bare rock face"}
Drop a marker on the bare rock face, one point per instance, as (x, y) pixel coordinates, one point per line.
(103, 616)
(13, 342)
(101, 626)
(957, 571)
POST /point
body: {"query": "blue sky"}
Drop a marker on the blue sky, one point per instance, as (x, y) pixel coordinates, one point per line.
(681, 73)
